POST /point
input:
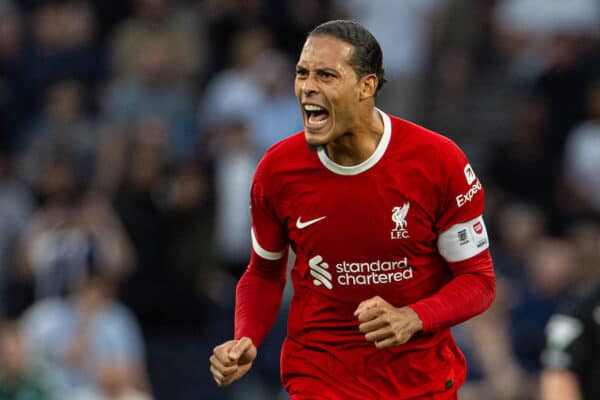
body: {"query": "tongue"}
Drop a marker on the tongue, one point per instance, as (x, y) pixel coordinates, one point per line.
(318, 116)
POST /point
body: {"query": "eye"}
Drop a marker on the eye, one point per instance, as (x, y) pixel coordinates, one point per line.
(326, 75)
(301, 72)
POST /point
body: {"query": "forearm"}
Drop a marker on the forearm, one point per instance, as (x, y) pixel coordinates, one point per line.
(469, 293)
(258, 297)
(559, 385)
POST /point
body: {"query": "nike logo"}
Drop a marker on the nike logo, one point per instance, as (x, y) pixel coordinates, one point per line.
(302, 225)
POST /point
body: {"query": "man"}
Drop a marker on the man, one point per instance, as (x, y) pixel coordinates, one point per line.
(385, 218)
(570, 360)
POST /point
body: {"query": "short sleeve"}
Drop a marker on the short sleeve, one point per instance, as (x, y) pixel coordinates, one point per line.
(566, 346)
(572, 331)
(460, 224)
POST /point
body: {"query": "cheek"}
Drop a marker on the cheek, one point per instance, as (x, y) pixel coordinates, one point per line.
(297, 89)
(344, 105)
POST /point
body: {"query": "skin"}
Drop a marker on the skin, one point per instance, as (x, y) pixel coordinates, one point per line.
(385, 325)
(324, 77)
(232, 360)
(559, 385)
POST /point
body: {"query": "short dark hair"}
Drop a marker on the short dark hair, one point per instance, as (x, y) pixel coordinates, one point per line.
(367, 57)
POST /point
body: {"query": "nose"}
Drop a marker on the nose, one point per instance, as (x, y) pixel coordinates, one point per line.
(309, 85)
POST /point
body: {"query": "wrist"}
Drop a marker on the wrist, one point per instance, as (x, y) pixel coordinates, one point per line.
(416, 322)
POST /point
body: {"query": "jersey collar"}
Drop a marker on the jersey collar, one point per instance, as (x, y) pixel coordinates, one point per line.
(369, 162)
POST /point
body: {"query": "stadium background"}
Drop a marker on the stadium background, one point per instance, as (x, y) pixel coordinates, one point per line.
(130, 130)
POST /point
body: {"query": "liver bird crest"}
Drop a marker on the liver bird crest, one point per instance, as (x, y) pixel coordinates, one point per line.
(399, 216)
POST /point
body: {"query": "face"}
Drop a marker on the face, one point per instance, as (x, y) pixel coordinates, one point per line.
(327, 89)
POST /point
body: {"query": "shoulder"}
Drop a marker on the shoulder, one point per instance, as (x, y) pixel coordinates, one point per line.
(287, 154)
(116, 314)
(407, 133)
(582, 301)
(46, 316)
(49, 306)
(435, 152)
(290, 146)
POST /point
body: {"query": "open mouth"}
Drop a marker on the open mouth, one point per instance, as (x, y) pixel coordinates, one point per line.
(316, 116)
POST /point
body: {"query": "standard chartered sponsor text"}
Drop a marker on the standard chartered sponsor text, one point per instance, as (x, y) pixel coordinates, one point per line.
(374, 272)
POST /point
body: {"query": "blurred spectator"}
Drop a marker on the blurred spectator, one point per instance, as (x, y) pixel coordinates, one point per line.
(237, 88)
(551, 273)
(520, 169)
(53, 54)
(16, 207)
(562, 86)
(518, 226)
(190, 219)
(154, 89)
(523, 28)
(18, 377)
(63, 126)
(278, 114)
(402, 28)
(494, 372)
(257, 89)
(71, 232)
(139, 209)
(494, 369)
(234, 168)
(109, 13)
(89, 345)
(11, 43)
(175, 25)
(570, 359)
(224, 19)
(506, 342)
(462, 95)
(291, 20)
(165, 291)
(582, 161)
(111, 156)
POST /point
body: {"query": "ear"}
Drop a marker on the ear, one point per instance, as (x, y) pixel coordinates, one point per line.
(368, 86)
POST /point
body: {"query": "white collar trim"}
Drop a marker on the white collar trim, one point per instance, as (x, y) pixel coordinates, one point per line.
(369, 162)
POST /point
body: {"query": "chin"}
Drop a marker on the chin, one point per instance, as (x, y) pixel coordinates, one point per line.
(315, 140)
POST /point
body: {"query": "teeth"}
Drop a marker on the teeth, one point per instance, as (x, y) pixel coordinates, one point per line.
(312, 107)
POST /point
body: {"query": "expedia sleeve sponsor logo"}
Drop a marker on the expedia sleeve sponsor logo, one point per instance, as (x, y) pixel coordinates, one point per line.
(469, 174)
(464, 198)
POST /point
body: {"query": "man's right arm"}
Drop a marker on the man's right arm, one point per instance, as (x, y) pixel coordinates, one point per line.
(260, 289)
(258, 296)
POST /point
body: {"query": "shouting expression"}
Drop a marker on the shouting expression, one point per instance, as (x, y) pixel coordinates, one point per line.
(327, 88)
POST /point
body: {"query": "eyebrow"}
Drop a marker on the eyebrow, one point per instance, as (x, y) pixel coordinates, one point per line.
(318, 70)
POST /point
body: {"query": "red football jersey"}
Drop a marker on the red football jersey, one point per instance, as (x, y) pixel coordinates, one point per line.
(391, 226)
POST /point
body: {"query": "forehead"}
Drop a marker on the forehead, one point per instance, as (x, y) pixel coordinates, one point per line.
(323, 51)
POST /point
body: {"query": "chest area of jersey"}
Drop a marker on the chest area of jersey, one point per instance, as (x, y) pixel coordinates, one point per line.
(360, 216)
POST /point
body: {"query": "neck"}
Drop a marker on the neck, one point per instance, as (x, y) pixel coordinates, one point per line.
(357, 145)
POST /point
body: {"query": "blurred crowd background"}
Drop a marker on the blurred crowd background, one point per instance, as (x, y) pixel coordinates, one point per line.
(130, 130)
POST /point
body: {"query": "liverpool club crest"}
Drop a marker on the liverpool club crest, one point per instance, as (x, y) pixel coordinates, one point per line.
(400, 231)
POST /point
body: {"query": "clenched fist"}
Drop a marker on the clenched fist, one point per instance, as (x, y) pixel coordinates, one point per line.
(232, 360)
(386, 325)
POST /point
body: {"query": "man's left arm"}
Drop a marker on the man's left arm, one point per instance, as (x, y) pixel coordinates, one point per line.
(470, 292)
(463, 243)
